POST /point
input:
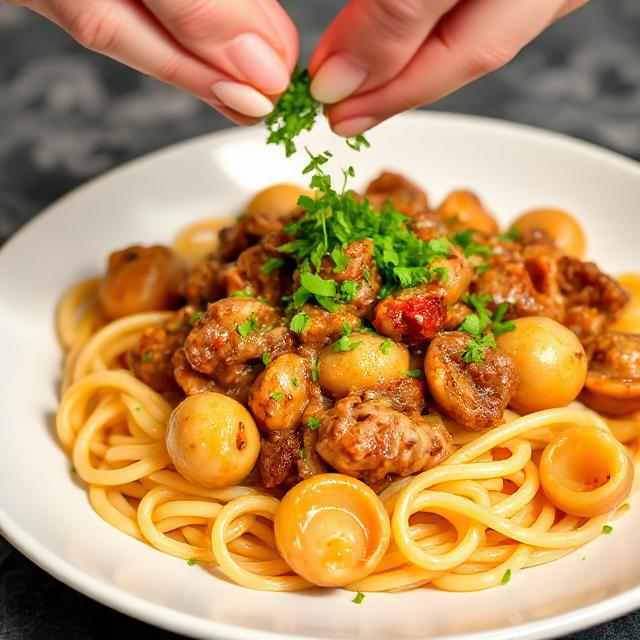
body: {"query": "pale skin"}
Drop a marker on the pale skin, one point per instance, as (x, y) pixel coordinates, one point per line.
(238, 55)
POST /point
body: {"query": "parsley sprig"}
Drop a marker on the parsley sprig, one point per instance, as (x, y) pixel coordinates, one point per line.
(483, 327)
(296, 112)
(333, 220)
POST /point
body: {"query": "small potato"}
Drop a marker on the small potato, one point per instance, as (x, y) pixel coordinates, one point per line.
(375, 361)
(559, 225)
(277, 200)
(212, 440)
(550, 362)
(141, 279)
(280, 394)
(464, 210)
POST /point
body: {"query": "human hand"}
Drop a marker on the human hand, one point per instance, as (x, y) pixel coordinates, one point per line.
(236, 56)
(381, 57)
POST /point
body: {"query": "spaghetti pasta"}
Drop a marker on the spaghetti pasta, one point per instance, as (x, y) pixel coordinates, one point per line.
(484, 513)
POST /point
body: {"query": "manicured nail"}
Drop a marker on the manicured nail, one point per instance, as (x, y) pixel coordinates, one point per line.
(258, 63)
(243, 98)
(336, 79)
(354, 126)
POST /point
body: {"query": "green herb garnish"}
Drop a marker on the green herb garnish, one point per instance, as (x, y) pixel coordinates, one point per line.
(506, 577)
(358, 598)
(146, 357)
(295, 383)
(413, 373)
(385, 346)
(315, 372)
(192, 561)
(511, 234)
(276, 395)
(266, 358)
(302, 454)
(273, 264)
(345, 344)
(248, 326)
(195, 317)
(607, 528)
(299, 322)
(313, 423)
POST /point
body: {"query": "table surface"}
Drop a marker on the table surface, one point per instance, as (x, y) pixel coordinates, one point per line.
(67, 115)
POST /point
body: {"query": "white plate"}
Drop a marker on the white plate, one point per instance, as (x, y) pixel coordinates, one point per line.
(47, 516)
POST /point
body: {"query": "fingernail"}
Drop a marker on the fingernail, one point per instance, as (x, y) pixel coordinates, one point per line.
(258, 63)
(336, 79)
(354, 126)
(243, 98)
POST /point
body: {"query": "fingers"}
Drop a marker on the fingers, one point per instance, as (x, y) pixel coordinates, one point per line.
(369, 43)
(128, 32)
(236, 37)
(474, 38)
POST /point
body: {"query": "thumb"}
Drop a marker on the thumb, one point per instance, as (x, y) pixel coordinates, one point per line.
(369, 43)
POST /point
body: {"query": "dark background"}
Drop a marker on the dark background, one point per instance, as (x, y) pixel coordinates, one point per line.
(67, 115)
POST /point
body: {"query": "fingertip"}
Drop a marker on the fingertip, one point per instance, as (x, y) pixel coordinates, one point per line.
(354, 126)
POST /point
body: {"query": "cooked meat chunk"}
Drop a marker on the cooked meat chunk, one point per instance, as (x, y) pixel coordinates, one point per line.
(613, 380)
(311, 464)
(360, 269)
(205, 283)
(141, 279)
(150, 359)
(405, 394)
(475, 394)
(414, 315)
(403, 195)
(280, 394)
(189, 380)
(228, 341)
(369, 439)
(325, 327)
(511, 282)
(593, 298)
(249, 230)
(248, 273)
(279, 453)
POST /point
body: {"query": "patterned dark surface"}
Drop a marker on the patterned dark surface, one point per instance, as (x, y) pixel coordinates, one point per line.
(67, 115)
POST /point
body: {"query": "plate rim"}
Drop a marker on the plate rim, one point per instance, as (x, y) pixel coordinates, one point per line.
(193, 626)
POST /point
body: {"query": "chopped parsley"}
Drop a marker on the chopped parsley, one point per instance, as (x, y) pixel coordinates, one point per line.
(607, 529)
(469, 246)
(413, 373)
(299, 322)
(511, 234)
(296, 112)
(340, 259)
(146, 357)
(295, 383)
(345, 344)
(302, 454)
(357, 142)
(192, 561)
(248, 326)
(273, 264)
(138, 408)
(266, 358)
(315, 372)
(334, 220)
(195, 317)
(506, 577)
(276, 396)
(385, 346)
(313, 423)
(483, 327)
(358, 598)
